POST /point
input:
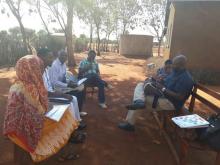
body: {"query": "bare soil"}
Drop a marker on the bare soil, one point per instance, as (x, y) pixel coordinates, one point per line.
(106, 144)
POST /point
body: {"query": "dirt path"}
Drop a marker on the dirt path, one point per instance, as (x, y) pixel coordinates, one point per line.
(106, 144)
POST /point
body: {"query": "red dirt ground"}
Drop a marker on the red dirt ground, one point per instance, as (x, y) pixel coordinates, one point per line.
(106, 144)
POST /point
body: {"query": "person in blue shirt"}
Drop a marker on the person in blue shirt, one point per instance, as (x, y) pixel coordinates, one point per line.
(178, 85)
(176, 88)
(141, 88)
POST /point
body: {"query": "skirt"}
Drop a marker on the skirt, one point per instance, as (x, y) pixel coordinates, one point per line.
(55, 136)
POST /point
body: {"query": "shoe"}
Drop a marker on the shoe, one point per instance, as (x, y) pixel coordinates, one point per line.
(135, 106)
(78, 137)
(110, 86)
(103, 105)
(82, 125)
(126, 126)
(83, 114)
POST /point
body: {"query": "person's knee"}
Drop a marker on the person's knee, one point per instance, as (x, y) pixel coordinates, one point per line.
(140, 85)
(74, 99)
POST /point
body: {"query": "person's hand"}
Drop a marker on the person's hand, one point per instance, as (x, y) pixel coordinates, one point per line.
(154, 77)
(158, 77)
(72, 84)
(159, 86)
(161, 77)
(50, 106)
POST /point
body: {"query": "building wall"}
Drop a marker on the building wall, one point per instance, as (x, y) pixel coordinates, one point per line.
(136, 45)
(196, 33)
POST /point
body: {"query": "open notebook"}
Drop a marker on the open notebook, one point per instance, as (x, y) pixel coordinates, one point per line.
(57, 112)
(190, 121)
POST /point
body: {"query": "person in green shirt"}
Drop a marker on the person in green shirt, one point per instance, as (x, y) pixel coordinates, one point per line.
(89, 69)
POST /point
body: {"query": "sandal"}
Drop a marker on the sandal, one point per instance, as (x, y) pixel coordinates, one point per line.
(78, 138)
(70, 156)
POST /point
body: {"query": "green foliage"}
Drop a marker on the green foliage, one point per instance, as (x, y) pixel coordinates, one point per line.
(155, 10)
(128, 10)
(11, 47)
(81, 43)
(51, 42)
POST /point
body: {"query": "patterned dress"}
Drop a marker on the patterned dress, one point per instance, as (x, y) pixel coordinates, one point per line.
(24, 121)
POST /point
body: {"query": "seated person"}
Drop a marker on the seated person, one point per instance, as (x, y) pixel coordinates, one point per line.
(89, 69)
(141, 88)
(57, 74)
(24, 120)
(72, 99)
(176, 89)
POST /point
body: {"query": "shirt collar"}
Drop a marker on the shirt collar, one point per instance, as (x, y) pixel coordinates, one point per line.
(90, 62)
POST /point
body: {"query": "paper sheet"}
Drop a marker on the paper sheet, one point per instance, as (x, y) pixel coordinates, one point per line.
(81, 81)
(57, 112)
(190, 121)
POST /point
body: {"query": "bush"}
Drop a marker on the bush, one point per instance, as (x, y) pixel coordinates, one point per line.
(81, 43)
(11, 48)
(11, 44)
(51, 42)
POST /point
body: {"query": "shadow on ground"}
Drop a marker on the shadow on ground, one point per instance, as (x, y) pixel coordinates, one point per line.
(106, 144)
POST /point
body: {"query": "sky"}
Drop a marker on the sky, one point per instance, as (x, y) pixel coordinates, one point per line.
(33, 21)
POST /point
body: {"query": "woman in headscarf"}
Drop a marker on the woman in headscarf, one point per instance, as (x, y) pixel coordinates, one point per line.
(25, 123)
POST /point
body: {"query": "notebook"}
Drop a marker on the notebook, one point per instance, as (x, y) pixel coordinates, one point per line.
(57, 112)
(190, 121)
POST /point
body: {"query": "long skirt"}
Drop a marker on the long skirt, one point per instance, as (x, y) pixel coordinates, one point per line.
(54, 137)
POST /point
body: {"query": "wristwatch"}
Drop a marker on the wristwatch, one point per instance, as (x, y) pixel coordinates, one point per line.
(163, 89)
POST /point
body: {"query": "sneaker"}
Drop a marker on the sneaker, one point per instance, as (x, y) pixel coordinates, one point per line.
(126, 126)
(135, 106)
(110, 86)
(83, 114)
(103, 105)
(82, 125)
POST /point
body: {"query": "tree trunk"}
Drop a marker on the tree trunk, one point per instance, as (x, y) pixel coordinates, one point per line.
(41, 17)
(98, 39)
(69, 34)
(117, 39)
(98, 47)
(24, 37)
(159, 45)
(103, 45)
(117, 45)
(107, 43)
(90, 39)
(16, 12)
(124, 28)
(94, 46)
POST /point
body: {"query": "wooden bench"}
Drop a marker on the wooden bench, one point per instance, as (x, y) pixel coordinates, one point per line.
(183, 143)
